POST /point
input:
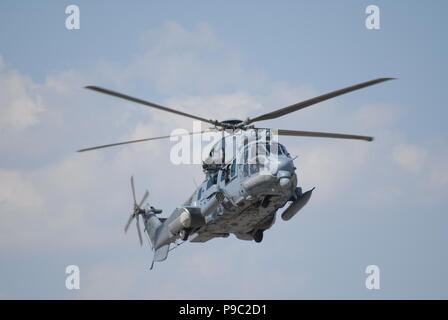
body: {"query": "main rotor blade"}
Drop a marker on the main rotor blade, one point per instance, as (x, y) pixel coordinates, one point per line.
(139, 231)
(133, 190)
(295, 133)
(149, 104)
(300, 105)
(139, 140)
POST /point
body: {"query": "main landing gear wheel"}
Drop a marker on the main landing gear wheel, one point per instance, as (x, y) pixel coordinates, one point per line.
(258, 236)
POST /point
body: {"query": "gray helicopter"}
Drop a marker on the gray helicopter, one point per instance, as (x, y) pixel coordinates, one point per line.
(249, 176)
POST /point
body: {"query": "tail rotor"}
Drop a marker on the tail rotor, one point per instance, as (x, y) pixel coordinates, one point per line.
(137, 212)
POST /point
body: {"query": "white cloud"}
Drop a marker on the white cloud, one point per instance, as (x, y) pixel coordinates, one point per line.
(330, 167)
(17, 193)
(20, 103)
(377, 115)
(65, 83)
(109, 281)
(50, 208)
(439, 175)
(178, 60)
(409, 157)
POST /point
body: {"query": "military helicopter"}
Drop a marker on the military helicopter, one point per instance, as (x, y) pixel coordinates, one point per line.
(249, 176)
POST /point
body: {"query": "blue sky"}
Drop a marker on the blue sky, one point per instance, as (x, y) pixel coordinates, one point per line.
(380, 203)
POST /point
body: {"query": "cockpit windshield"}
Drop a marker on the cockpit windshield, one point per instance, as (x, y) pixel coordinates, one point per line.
(265, 149)
(281, 150)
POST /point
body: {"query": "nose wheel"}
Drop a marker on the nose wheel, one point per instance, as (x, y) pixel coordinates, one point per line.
(258, 236)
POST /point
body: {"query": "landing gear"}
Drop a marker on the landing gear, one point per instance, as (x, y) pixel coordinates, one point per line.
(258, 236)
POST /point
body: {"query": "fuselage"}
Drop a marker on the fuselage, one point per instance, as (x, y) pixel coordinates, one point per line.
(257, 177)
(249, 176)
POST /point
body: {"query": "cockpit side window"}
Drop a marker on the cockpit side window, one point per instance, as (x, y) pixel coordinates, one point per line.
(209, 183)
(212, 180)
(233, 169)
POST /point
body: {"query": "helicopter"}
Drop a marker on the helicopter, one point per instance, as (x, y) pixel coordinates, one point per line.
(249, 176)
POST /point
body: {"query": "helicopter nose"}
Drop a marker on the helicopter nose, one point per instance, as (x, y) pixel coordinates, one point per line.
(282, 166)
(284, 171)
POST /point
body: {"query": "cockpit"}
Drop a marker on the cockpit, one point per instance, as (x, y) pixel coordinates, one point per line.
(262, 148)
(250, 152)
(260, 156)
